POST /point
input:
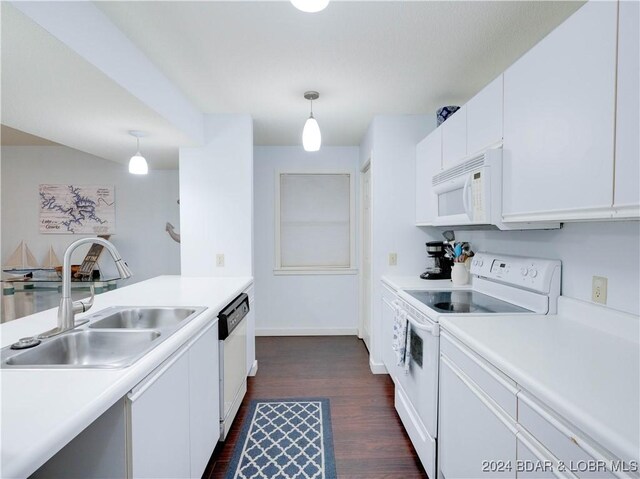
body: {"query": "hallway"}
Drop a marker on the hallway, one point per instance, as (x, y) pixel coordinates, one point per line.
(369, 440)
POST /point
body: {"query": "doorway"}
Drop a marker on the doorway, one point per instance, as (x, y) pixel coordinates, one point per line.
(365, 279)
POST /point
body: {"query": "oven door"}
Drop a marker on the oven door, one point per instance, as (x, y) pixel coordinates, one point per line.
(420, 382)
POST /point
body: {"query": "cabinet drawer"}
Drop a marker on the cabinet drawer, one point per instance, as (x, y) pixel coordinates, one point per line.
(498, 386)
(389, 294)
(569, 446)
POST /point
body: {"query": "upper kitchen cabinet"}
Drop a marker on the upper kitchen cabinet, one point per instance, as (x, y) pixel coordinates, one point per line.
(627, 164)
(484, 118)
(559, 119)
(454, 138)
(428, 163)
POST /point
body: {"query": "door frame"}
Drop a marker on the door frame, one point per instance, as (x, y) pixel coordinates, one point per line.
(361, 306)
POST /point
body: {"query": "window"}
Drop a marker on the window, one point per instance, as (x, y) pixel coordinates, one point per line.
(314, 223)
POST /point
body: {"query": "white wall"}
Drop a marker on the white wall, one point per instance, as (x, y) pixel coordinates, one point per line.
(304, 304)
(391, 144)
(143, 205)
(216, 199)
(585, 249)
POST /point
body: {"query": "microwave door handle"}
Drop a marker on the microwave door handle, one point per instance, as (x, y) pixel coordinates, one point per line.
(466, 196)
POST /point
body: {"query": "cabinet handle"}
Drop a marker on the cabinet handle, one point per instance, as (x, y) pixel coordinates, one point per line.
(542, 454)
(147, 382)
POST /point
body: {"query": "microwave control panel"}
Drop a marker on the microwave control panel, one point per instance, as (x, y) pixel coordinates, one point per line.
(477, 197)
(531, 273)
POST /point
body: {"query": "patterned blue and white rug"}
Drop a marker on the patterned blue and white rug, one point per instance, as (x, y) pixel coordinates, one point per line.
(285, 439)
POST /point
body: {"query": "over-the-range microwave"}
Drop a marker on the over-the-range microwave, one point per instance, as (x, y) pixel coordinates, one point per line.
(469, 195)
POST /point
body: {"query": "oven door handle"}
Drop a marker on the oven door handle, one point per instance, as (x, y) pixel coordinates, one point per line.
(433, 328)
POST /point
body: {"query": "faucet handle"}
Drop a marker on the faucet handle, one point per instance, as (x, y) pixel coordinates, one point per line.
(85, 304)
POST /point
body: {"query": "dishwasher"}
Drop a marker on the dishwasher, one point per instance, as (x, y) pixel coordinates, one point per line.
(232, 335)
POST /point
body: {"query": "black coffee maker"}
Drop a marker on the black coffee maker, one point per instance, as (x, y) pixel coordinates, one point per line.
(438, 265)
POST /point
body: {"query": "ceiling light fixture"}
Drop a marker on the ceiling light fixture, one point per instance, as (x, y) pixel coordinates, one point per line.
(310, 6)
(137, 163)
(311, 137)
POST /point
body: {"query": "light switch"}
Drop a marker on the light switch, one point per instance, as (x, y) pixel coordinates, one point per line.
(393, 259)
(220, 260)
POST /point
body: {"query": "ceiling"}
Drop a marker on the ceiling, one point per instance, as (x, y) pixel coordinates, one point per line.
(364, 58)
(12, 137)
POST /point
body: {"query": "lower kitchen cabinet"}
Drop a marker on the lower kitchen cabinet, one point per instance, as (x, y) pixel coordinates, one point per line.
(173, 415)
(158, 422)
(476, 438)
(388, 316)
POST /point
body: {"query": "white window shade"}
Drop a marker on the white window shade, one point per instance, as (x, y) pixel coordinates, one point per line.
(315, 221)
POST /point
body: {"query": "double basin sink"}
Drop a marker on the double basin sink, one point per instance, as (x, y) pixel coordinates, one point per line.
(114, 338)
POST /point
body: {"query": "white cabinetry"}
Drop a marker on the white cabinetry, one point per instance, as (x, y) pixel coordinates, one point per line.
(428, 163)
(389, 299)
(251, 334)
(627, 167)
(158, 422)
(454, 138)
(476, 438)
(559, 101)
(204, 399)
(173, 415)
(484, 118)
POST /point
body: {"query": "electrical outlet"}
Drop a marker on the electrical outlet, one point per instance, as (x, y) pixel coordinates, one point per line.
(393, 259)
(220, 260)
(599, 290)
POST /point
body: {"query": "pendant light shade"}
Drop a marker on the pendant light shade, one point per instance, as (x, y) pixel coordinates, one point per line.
(310, 6)
(311, 136)
(138, 163)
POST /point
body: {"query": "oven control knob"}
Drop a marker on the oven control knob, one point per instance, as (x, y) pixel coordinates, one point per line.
(533, 272)
(524, 271)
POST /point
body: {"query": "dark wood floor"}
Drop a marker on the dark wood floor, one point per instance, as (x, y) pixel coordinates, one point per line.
(369, 440)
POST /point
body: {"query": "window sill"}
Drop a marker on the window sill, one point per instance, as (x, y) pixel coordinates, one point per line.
(312, 271)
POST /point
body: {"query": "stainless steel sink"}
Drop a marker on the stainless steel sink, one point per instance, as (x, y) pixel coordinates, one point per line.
(87, 349)
(115, 337)
(143, 318)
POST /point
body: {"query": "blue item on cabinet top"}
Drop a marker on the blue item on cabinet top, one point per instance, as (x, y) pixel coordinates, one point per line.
(445, 112)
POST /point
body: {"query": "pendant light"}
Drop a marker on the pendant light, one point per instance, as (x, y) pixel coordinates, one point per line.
(311, 137)
(137, 163)
(310, 6)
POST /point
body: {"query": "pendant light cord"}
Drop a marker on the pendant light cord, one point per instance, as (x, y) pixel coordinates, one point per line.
(311, 107)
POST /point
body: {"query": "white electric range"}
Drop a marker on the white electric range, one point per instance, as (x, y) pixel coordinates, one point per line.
(501, 285)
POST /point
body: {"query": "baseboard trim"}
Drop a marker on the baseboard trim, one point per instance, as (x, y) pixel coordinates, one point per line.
(254, 368)
(307, 332)
(377, 368)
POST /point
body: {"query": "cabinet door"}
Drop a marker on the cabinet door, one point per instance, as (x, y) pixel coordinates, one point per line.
(454, 138)
(627, 194)
(428, 163)
(484, 118)
(388, 354)
(559, 101)
(204, 399)
(476, 439)
(158, 416)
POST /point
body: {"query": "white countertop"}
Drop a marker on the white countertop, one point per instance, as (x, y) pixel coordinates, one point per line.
(42, 410)
(583, 363)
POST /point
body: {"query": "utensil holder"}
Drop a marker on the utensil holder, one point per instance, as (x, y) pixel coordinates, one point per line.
(459, 274)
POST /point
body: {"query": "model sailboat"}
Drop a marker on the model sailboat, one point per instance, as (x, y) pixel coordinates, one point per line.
(51, 261)
(21, 259)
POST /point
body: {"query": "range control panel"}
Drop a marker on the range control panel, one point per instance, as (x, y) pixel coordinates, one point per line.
(530, 273)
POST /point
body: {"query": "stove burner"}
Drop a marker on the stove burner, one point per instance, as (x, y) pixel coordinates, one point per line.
(455, 307)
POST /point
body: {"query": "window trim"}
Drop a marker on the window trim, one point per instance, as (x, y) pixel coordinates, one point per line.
(316, 270)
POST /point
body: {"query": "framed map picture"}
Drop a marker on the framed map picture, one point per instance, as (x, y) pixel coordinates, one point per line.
(72, 209)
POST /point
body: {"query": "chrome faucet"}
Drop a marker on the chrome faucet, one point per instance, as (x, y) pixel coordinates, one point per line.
(69, 308)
